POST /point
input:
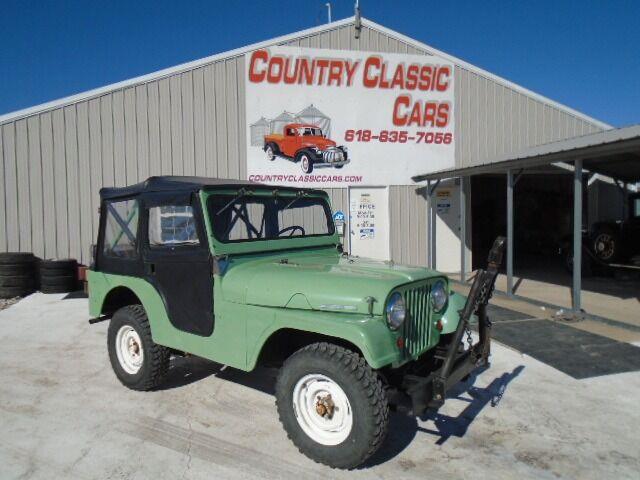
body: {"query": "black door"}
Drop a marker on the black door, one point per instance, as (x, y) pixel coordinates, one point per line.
(177, 260)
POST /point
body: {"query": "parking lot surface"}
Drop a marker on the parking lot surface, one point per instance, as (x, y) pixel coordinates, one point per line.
(65, 415)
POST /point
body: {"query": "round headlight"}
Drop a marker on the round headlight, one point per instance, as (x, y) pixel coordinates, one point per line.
(439, 296)
(396, 311)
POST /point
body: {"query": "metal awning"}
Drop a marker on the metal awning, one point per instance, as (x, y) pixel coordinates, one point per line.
(614, 153)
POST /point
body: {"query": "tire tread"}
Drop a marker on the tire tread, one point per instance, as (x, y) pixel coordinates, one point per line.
(355, 365)
(158, 355)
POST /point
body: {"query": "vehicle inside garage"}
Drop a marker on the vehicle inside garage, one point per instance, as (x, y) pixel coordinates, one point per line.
(542, 221)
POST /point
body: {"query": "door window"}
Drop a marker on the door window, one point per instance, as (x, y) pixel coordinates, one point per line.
(121, 229)
(636, 207)
(172, 225)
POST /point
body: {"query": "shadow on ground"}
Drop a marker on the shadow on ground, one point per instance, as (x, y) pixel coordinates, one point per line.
(402, 428)
(186, 370)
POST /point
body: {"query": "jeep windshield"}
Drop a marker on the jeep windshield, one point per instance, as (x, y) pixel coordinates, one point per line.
(255, 216)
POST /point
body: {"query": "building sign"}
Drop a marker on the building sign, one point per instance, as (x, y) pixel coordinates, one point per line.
(363, 214)
(443, 201)
(338, 221)
(335, 118)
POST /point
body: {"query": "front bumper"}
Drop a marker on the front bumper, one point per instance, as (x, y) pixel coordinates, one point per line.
(419, 393)
(430, 391)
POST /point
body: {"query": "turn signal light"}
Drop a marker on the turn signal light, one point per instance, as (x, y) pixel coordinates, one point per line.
(400, 342)
(439, 325)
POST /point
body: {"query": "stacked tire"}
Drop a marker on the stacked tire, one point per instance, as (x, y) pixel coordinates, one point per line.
(58, 276)
(18, 277)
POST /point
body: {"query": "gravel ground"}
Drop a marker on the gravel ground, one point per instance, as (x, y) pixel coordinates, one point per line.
(7, 302)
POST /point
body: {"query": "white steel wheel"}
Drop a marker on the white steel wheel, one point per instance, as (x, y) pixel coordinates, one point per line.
(270, 153)
(129, 349)
(322, 409)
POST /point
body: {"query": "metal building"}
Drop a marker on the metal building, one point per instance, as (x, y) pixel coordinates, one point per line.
(190, 120)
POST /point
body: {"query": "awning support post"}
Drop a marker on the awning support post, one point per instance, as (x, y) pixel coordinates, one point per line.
(428, 223)
(431, 225)
(510, 185)
(577, 237)
(463, 230)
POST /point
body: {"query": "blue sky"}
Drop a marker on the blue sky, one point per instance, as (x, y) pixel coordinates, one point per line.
(584, 54)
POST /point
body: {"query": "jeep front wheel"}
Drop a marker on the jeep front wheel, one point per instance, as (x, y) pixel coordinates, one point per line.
(332, 405)
(137, 361)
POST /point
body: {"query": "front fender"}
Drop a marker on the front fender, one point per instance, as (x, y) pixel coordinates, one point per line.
(369, 334)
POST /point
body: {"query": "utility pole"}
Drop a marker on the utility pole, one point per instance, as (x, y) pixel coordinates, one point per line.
(328, 4)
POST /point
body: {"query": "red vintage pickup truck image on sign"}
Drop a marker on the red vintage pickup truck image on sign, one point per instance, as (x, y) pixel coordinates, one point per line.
(306, 145)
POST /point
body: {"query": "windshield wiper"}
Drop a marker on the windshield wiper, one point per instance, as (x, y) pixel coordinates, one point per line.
(300, 194)
(241, 193)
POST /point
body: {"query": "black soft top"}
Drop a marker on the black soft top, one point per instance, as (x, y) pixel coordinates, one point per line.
(180, 184)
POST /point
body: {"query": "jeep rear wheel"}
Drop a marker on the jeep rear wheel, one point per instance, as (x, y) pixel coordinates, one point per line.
(332, 405)
(137, 361)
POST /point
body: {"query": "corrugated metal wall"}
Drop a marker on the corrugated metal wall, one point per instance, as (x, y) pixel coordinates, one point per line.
(53, 163)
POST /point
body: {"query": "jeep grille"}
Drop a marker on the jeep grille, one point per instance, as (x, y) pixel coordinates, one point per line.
(416, 326)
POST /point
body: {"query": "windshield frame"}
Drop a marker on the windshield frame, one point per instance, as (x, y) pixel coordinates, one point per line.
(267, 244)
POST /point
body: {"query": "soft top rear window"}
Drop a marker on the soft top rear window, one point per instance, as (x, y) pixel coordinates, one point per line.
(238, 218)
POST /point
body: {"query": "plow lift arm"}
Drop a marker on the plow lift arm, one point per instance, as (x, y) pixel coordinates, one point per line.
(430, 392)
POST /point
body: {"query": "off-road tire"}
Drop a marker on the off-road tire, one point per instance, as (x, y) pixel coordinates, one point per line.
(18, 269)
(58, 284)
(155, 363)
(362, 387)
(59, 280)
(13, 258)
(306, 167)
(24, 281)
(58, 267)
(10, 292)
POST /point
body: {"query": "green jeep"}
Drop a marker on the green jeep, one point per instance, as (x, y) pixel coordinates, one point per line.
(247, 274)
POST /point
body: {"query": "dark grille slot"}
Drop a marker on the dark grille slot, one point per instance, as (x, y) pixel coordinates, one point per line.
(416, 327)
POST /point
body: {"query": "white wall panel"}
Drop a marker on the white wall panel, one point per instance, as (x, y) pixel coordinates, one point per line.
(48, 187)
(22, 168)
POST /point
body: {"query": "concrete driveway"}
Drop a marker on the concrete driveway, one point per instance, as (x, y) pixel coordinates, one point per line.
(63, 414)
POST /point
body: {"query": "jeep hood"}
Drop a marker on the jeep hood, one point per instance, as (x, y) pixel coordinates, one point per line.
(322, 281)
